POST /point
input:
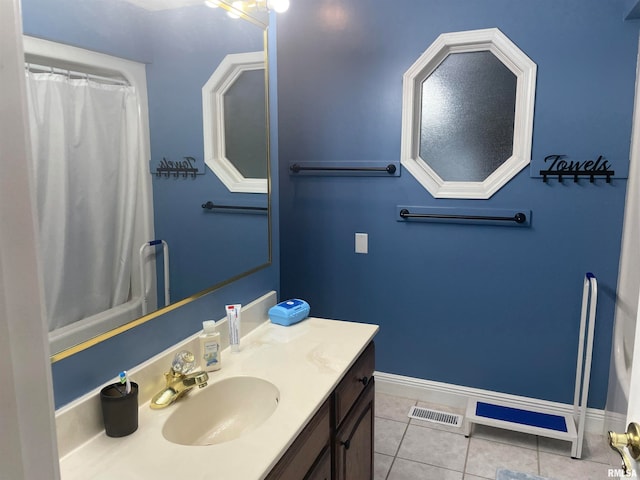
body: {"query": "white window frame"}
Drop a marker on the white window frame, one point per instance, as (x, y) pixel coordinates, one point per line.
(213, 92)
(494, 41)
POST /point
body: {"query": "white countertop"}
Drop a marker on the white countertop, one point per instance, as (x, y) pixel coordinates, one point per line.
(305, 361)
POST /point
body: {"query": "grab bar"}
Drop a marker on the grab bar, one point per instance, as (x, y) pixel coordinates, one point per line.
(390, 169)
(518, 217)
(210, 206)
(165, 251)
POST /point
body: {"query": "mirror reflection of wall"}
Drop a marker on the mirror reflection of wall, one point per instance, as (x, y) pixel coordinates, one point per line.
(181, 48)
(189, 44)
(243, 142)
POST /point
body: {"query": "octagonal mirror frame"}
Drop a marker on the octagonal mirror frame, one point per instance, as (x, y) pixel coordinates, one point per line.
(213, 111)
(494, 41)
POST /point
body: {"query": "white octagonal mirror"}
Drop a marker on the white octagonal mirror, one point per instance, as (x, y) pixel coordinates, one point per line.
(234, 122)
(468, 114)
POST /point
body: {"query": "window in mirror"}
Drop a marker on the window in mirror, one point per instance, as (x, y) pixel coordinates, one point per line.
(234, 118)
(468, 114)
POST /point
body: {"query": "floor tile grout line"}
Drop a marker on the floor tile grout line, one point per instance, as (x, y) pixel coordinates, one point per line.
(402, 439)
(393, 460)
(503, 442)
(395, 456)
(426, 463)
(430, 465)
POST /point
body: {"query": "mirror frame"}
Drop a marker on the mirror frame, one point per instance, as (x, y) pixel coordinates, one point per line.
(494, 41)
(213, 117)
(262, 23)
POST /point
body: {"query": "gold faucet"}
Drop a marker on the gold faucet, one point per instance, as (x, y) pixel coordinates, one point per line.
(179, 381)
(631, 440)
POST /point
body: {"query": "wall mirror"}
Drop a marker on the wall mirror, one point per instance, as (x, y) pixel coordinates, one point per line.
(175, 46)
(467, 118)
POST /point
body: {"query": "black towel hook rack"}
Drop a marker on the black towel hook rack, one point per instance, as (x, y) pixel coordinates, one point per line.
(518, 217)
(577, 173)
(176, 171)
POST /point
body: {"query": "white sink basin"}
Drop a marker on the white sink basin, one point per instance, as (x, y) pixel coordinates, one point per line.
(222, 411)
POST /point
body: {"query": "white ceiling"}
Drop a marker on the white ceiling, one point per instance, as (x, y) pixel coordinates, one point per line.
(163, 4)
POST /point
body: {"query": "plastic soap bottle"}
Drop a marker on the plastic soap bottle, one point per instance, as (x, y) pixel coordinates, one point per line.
(210, 347)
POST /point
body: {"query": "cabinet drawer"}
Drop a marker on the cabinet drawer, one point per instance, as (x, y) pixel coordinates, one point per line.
(354, 382)
(306, 449)
(353, 445)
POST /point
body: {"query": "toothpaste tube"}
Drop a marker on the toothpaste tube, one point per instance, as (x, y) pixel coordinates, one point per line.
(233, 319)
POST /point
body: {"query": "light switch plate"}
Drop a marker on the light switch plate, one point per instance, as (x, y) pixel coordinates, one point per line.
(362, 243)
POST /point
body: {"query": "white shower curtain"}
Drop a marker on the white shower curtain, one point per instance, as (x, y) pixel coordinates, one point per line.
(86, 142)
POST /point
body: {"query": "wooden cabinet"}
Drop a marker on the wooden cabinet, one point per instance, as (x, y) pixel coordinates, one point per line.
(303, 456)
(338, 442)
(354, 400)
(353, 383)
(322, 468)
(353, 447)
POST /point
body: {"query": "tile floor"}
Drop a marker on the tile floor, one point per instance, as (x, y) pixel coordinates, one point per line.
(409, 449)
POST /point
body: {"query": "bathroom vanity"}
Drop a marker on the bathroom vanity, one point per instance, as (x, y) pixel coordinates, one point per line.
(320, 428)
(339, 438)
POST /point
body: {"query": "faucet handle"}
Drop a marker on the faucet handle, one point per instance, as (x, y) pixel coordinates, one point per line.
(183, 362)
(630, 439)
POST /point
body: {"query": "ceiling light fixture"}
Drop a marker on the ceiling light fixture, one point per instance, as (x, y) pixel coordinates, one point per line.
(278, 6)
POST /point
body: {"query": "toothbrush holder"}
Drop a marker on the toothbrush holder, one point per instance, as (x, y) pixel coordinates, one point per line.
(119, 409)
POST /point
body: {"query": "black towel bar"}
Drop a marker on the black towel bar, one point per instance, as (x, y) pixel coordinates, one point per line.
(210, 206)
(390, 169)
(518, 217)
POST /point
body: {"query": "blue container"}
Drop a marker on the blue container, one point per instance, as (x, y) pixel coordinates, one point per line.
(289, 312)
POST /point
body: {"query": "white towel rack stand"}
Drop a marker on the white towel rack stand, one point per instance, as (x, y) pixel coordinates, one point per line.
(569, 427)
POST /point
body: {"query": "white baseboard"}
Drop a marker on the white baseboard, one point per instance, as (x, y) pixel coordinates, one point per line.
(456, 396)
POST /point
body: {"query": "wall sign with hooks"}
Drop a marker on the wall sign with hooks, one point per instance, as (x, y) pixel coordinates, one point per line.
(560, 166)
(186, 167)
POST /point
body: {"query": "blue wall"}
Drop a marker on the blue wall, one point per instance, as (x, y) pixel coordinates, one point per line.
(166, 41)
(490, 307)
(115, 28)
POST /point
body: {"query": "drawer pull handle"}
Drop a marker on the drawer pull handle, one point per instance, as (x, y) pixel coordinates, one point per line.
(346, 443)
(364, 380)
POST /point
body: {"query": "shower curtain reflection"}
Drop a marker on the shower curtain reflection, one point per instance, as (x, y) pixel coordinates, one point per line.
(85, 136)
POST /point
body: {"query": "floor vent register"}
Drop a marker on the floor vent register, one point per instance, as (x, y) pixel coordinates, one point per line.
(435, 416)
